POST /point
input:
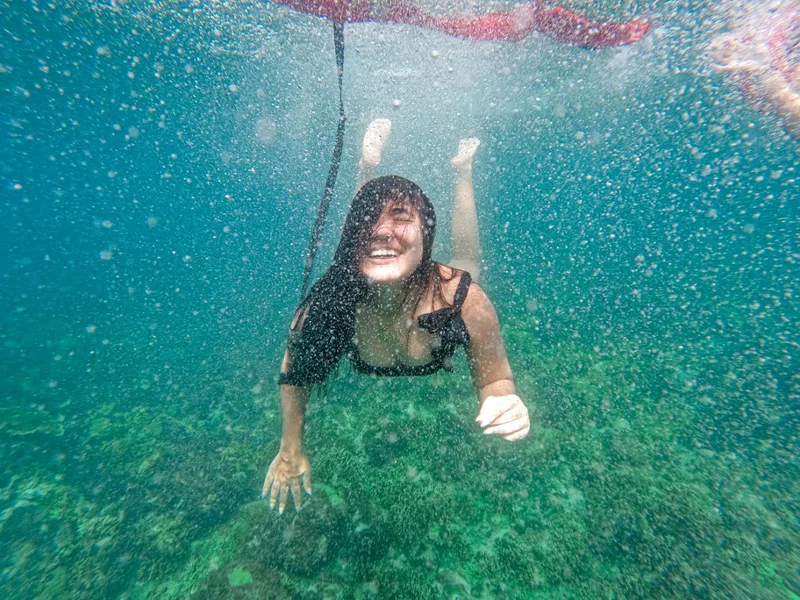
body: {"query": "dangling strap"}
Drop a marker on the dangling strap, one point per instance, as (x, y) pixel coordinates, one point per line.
(333, 170)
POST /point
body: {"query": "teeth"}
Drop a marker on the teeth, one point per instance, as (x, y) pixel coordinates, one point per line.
(382, 254)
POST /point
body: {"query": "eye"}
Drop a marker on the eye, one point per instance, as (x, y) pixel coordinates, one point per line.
(402, 213)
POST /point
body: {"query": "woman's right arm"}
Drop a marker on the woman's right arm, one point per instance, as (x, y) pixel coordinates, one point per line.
(291, 462)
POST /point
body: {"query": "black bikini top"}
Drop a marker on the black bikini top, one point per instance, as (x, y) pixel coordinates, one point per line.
(445, 322)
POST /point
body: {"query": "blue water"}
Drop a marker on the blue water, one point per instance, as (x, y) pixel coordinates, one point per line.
(161, 168)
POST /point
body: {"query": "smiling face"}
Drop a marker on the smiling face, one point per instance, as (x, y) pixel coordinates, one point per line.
(393, 250)
(387, 236)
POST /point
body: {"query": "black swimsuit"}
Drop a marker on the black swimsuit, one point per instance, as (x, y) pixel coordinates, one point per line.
(445, 322)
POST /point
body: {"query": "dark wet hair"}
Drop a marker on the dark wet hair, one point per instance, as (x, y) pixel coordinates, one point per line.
(325, 320)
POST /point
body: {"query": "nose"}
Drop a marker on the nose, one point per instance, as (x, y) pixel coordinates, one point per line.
(383, 230)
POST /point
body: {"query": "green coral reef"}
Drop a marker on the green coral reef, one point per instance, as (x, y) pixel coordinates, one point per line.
(618, 492)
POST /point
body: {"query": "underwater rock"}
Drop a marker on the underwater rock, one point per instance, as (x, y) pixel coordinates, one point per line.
(454, 584)
(24, 422)
(384, 445)
(239, 577)
(301, 542)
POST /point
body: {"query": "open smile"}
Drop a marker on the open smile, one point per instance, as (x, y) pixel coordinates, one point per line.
(382, 254)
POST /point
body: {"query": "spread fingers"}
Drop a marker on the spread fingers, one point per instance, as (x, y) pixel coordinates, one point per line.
(267, 483)
(284, 496)
(296, 495)
(273, 494)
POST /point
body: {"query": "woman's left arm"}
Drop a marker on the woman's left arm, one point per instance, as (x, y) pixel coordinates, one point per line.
(501, 410)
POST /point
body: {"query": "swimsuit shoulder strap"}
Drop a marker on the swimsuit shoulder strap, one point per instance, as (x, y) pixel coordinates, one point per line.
(461, 291)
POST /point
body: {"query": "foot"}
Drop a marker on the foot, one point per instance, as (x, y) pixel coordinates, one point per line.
(466, 151)
(375, 140)
(737, 55)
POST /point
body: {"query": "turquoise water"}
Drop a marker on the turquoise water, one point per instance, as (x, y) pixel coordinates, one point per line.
(161, 167)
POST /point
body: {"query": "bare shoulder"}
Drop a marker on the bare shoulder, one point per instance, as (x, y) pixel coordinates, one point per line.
(482, 322)
(475, 304)
(449, 279)
(477, 307)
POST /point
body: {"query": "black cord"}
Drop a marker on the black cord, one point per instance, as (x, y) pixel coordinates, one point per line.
(333, 171)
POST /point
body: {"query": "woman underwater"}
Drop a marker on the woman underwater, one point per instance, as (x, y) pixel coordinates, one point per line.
(393, 310)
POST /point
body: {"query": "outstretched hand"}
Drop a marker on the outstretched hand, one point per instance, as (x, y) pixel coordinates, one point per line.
(284, 475)
(505, 416)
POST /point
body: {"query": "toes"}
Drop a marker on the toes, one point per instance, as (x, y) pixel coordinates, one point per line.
(468, 146)
(375, 140)
(378, 131)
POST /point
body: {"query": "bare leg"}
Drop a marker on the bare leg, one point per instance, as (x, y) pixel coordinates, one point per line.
(466, 249)
(375, 140)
